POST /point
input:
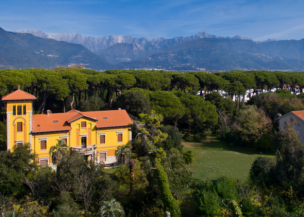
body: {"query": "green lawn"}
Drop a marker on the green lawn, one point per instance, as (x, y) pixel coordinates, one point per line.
(214, 158)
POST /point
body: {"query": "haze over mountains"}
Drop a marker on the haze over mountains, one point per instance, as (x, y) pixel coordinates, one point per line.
(197, 52)
(97, 44)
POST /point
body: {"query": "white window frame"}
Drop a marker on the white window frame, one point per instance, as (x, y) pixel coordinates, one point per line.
(83, 127)
(22, 126)
(19, 141)
(44, 158)
(44, 139)
(117, 137)
(102, 152)
(102, 134)
(82, 136)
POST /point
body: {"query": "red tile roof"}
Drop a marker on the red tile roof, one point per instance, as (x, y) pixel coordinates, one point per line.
(61, 121)
(300, 114)
(18, 95)
(79, 115)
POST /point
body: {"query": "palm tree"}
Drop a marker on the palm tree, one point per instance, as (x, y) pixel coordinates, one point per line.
(58, 151)
(111, 208)
(123, 152)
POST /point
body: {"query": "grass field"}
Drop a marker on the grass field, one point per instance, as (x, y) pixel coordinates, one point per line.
(214, 158)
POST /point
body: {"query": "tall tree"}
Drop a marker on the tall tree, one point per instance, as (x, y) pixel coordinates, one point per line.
(210, 81)
(76, 82)
(185, 82)
(198, 113)
(167, 104)
(135, 103)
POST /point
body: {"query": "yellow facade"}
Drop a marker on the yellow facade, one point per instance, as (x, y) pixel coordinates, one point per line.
(13, 136)
(73, 137)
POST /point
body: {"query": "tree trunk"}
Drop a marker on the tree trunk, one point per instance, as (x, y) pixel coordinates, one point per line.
(188, 131)
(86, 211)
(132, 174)
(42, 106)
(72, 101)
(64, 109)
(111, 99)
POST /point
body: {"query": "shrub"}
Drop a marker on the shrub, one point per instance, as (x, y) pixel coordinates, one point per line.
(199, 137)
(208, 195)
(264, 143)
(259, 172)
(247, 207)
(188, 157)
(226, 188)
(188, 138)
(284, 93)
(174, 139)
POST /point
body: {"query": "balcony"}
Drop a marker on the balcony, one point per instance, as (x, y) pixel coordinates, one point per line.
(88, 150)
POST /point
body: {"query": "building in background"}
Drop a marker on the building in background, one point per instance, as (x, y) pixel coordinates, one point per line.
(296, 118)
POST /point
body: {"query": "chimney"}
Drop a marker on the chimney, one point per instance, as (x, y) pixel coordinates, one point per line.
(48, 112)
(18, 87)
(119, 108)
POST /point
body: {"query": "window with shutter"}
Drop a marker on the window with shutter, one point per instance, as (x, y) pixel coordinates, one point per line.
(119, 137)
(19, 110)
(19, 127)
(102, 139)
(43, 144)
(83, 124)
(14, 110)
(102, 157)
(24, 109)
(43, 163)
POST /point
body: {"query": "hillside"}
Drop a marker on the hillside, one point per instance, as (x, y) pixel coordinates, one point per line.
(225, 54)
(124, 52)
(197, 52)
(19, 50)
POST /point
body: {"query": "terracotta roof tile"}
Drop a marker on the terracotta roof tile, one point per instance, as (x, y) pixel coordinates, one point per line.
(51, 123)
(74, 110)
(18, 95)
(60, 121)
(79, 115)
(299, 114)
(110, 118)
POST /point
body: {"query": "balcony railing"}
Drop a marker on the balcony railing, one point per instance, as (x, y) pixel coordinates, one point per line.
(81, 150)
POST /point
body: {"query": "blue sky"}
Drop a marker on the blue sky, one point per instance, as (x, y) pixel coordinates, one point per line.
(256, 19)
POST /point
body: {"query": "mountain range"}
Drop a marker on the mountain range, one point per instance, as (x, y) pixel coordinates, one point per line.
(28, 51)
(197, 52)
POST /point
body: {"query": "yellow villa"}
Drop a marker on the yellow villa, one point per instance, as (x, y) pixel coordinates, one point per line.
(95, 134)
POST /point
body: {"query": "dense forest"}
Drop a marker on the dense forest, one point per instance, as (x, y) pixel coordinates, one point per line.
(167, 107)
